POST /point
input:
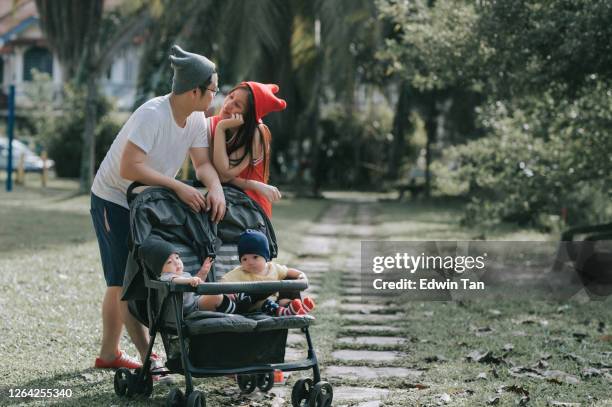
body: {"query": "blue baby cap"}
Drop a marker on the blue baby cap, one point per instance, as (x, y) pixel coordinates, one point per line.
(253, 242)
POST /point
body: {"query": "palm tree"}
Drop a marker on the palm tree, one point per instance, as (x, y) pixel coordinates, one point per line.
(304, 46)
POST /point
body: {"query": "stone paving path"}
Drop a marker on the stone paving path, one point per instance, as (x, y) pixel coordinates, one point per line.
(368, 345)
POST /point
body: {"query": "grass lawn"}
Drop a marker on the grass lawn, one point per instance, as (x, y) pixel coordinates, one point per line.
(51, 287)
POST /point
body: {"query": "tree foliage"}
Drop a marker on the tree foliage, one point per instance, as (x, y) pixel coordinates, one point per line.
(542, 70)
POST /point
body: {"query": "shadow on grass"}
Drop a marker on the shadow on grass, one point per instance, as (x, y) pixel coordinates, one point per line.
(89, 387)
(27, 228)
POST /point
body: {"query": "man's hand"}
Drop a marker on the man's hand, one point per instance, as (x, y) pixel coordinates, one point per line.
(195, 281)
(270, 192)
(215, 203)
(192, 197)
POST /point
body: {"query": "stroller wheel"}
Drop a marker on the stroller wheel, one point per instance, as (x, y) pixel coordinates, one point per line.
(196, 399)
(144, 387)
(321, 395)
(265, 381)
(175, 398)
(121, 381)
(247, 383)
(301, 391)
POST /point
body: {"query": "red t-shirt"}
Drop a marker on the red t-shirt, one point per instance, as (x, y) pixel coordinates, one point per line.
(254, 172)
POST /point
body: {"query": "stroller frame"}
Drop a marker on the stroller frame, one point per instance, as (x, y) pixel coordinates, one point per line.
(315, 392)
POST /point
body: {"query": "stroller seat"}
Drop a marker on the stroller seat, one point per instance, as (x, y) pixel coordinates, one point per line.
(206, 322)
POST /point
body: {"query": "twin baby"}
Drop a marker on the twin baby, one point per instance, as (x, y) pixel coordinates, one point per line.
(255, 265)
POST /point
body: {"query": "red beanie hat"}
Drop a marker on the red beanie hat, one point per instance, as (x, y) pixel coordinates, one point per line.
(265, 100)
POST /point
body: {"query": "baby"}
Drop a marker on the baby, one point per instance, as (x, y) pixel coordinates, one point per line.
(255, 265)
(163, 260)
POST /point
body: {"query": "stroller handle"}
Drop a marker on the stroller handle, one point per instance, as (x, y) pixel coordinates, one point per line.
(130, 194)
(259, 287)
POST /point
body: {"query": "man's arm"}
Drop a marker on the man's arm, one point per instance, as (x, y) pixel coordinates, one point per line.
(205, 172)
(133, 167)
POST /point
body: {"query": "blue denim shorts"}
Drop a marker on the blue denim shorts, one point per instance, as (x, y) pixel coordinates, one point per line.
(112, 225)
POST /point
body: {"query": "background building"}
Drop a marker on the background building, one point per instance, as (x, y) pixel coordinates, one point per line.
(23, 48)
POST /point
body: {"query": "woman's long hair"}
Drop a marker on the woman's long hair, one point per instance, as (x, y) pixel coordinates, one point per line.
(244, 136)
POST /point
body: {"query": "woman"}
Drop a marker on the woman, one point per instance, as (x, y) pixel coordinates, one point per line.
(243, 156)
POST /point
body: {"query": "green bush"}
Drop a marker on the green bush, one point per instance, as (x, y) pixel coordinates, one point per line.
(353, 148)
(66, 142)
(544, 159)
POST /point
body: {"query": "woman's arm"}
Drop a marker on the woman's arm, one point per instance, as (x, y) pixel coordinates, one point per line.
(270, 192)
(220, 158)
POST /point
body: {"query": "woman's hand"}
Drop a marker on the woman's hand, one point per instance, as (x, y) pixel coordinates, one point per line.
(270, 192)
(235, 121)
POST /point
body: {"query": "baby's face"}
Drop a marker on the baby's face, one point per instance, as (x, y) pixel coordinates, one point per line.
(253, 263)
(173, 264)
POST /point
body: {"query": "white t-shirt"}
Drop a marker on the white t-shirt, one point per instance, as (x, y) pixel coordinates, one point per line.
(152, 128)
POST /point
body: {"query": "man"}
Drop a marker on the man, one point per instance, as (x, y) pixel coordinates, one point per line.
(150, 148)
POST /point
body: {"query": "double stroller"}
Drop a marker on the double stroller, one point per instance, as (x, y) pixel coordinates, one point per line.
(205, 343)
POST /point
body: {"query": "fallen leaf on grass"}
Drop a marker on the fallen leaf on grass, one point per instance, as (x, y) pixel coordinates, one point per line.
(554, 376)
(563, 308)
(531, 321)
(444, 398)
(605, 338)
(482, 329)
(590, 372)
(574, 357)
(579, 336)
(541, 364)
(418, 386)
(559, 377)
(435, 358)
(493, 401)
(486, 357)
(522, 371)
(513, 388)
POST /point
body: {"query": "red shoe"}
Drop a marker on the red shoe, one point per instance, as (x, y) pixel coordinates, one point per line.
(308, 304)
(296, 307)
(122, 360)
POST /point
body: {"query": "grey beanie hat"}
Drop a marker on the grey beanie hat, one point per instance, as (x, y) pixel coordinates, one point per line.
(190, 70)
(154, 252)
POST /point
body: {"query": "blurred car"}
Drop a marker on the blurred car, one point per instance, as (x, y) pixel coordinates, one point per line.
(32, 162)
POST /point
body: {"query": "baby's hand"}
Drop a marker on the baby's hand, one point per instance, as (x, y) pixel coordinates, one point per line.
(195, 281)
(203, 272)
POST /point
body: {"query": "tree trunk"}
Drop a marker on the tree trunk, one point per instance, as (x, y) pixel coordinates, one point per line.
(88, 153)
(431, 127)
(401, 123)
